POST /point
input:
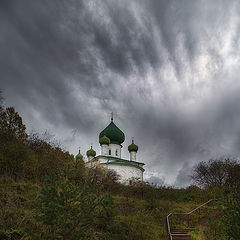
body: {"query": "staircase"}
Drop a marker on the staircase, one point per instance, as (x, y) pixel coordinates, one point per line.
(181, 233)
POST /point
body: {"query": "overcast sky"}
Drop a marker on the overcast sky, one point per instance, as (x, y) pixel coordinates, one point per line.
(169, 70)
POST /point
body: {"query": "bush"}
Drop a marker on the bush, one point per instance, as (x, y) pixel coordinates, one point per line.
(231, 216)
(71, 211)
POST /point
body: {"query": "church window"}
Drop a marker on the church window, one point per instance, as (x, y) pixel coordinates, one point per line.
(109, 151)
(116, 152)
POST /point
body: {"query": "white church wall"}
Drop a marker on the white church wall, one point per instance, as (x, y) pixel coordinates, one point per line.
(126, 173)
(115, 150)
(90, 158)
(104, 149)
(133, 156)
(102, 160)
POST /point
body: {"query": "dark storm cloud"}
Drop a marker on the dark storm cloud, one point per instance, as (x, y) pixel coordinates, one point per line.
(168, 69)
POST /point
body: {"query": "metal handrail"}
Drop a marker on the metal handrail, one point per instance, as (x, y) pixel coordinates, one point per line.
(177, 213)
(168, 226)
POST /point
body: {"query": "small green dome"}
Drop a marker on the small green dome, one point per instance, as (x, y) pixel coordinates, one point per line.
(133, 147)
(79, 156)
(104, 140)
(113, 133)
(91, 152)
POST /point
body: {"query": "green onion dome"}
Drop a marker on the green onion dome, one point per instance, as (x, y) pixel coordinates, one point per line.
(91, 152)
(79, 156)
(104, 140)
(133, 147)
(115, 135)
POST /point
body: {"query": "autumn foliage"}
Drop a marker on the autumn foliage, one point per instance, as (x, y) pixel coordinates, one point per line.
(27, 156)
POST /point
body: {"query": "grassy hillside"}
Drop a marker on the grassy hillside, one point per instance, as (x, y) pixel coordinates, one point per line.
(140, 215)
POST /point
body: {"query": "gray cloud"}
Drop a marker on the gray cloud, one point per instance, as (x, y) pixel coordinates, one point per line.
(168, 69)
(183, 178)
(155, 181)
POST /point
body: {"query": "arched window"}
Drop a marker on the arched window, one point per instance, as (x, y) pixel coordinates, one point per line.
(109, 151)
(116, 152)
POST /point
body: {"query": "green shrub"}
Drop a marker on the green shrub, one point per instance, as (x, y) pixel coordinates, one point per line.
(231, 216)
(71, 211)
(12, 234)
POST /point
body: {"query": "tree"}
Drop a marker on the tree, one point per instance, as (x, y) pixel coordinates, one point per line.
(12, 138)
(47, 156)
(78, 171)
(231, 216)
(11, 124)
(25, 156)
(68, 210)
(216, 173)
(234, 176)
(12, 142)
(76, 211)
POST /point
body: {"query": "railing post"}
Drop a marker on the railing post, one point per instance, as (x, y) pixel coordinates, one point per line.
(167, 227)
(188, 220)
(199, 214)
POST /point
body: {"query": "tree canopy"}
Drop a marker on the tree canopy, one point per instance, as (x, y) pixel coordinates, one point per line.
(217, 173)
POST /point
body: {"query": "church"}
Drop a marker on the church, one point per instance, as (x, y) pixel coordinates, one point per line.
(110, 140)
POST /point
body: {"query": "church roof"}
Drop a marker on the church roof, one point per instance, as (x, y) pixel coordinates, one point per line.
(133, 147)
(119, 159)
(91, 152)
(79, 156)
(113, 133)
(104, 140)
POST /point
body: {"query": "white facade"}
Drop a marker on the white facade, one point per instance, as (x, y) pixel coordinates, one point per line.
(133, 156)
(111, 150)
(115, 150)
(126, 172)
(90, 158)
(104, 149)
